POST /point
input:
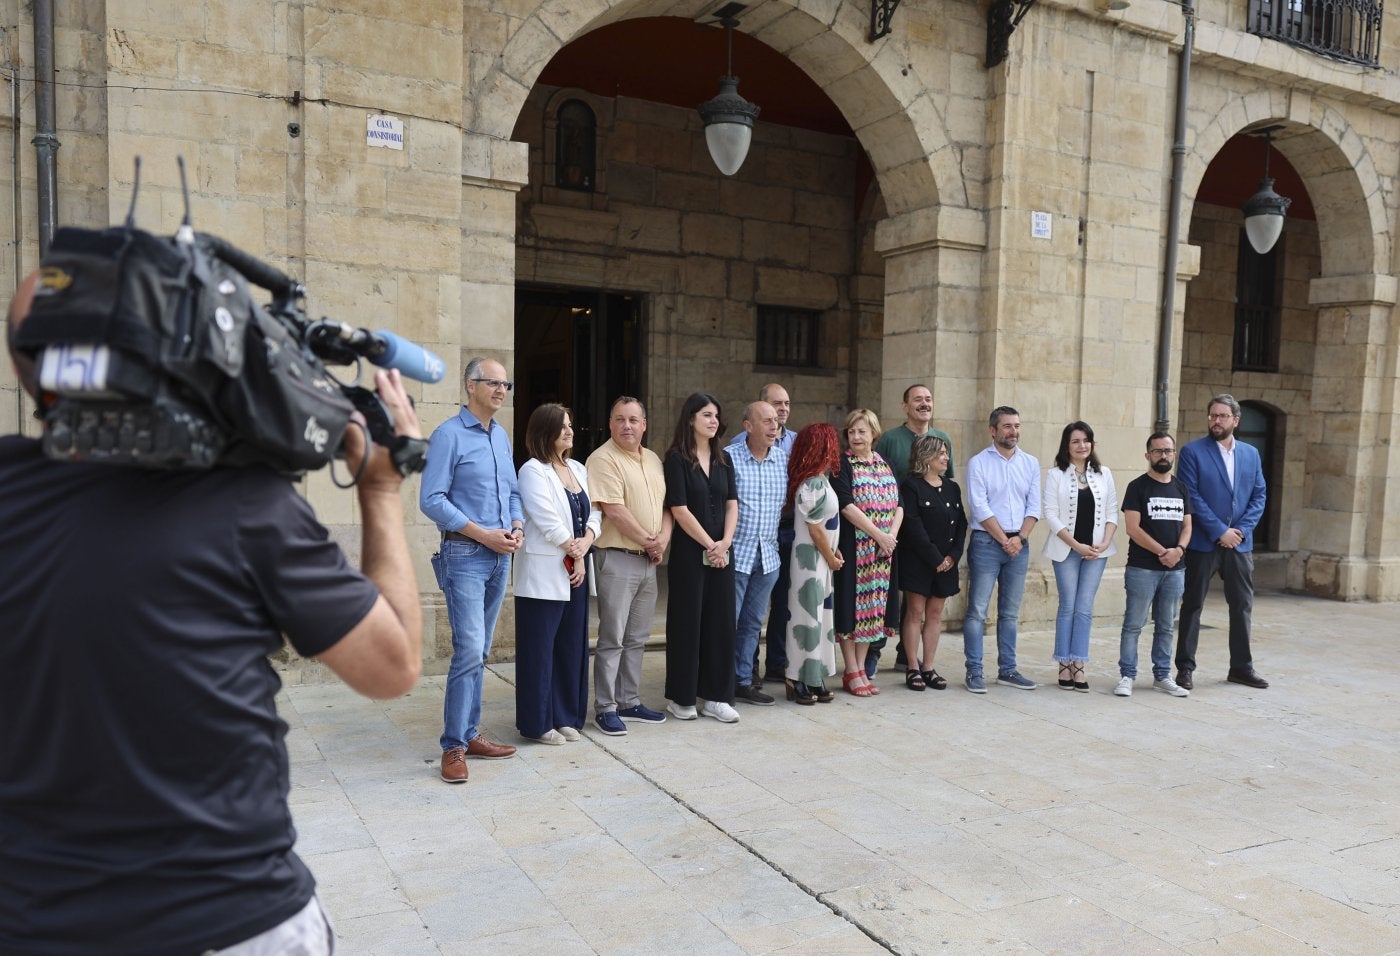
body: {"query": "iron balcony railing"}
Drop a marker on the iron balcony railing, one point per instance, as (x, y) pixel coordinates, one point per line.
(1344, 29)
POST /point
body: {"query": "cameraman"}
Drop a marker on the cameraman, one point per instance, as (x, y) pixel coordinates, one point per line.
(143, 769)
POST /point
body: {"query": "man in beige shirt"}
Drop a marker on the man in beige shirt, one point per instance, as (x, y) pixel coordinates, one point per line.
(625, 480)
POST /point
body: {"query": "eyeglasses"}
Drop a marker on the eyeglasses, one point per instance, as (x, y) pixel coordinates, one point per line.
(1221, 417)
(1161, 452)
(494, 383)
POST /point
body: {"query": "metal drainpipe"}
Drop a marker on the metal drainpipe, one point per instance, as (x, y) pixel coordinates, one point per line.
(45, 113)
(1164, 335)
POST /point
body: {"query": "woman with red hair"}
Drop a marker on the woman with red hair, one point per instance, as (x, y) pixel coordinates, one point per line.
(811, 632)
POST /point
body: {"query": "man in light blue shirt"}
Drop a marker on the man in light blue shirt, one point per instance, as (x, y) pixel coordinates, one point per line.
(760, 471)
(1003, 505)
(775, 668)
(469, 490)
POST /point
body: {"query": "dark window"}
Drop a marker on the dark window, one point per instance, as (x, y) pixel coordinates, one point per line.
(1258, 307)
(575, 146)
(788, 337)
(1343, 29)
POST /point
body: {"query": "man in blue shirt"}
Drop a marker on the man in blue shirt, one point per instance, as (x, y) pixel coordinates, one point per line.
(760, 471)
(470, 492)
(1003, 505)
(776, 667)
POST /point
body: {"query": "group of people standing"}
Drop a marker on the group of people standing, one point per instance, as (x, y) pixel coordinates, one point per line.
(841, 540)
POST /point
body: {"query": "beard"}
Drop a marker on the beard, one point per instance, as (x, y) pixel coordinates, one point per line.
(1161, 467)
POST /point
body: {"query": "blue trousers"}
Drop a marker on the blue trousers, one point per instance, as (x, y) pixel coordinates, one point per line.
(551, 663)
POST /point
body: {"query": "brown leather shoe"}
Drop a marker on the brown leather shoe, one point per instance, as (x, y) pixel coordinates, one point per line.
(1245, 676)
(454, 765)
(1183, 679)
(480, 747)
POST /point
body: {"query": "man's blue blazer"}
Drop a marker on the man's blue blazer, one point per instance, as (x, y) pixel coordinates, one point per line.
(1215, 505)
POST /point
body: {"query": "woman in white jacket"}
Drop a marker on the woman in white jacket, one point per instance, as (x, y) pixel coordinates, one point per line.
(1081, 508)
(551, 596)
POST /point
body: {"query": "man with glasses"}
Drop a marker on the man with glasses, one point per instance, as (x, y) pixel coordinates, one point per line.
(1157, 514)
(470, 492)
(1225, 482)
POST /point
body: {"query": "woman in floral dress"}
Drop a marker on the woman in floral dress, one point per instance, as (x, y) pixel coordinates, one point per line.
(811, 634)
(867, 608)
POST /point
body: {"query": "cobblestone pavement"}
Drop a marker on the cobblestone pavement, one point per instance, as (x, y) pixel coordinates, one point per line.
(1233, 821)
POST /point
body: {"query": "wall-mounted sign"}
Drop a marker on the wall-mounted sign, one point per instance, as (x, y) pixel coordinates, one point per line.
(1040, 225)
(386, 131)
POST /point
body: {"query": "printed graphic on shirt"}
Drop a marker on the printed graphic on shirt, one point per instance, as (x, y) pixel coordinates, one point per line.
(1166, 509)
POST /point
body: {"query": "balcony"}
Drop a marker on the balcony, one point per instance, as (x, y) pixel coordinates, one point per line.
(1347, 30)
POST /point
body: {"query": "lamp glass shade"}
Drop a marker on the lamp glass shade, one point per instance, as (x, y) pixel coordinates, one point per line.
(1263, 216)
(1263, 230)
(729, 145)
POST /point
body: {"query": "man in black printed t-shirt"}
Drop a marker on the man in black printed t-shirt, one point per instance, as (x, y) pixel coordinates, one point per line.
(143, 767)
(1157, 514)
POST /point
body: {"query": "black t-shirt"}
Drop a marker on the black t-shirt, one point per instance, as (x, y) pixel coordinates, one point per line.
(143, 771)
(1161, 508)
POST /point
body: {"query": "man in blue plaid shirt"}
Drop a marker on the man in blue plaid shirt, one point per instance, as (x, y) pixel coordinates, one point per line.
(760, 471)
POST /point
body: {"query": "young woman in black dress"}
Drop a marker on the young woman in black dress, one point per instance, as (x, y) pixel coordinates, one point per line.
(700, 624)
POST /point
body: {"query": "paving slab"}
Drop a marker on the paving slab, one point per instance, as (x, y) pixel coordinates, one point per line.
(1232, 821)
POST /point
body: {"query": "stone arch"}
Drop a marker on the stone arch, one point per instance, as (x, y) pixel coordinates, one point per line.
(894, 115)
(1333, 161)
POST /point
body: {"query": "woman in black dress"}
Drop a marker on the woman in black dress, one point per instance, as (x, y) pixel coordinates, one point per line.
(930, 545)
(703, 499)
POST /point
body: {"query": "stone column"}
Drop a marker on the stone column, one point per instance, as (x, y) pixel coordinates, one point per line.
(932, 313)
(1350, 525)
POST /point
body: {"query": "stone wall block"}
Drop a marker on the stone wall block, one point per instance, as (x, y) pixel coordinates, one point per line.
(388, 242)
(260, 174)
(423, 194)
(135, 52)
(776, 243)
(333, 183)
(650, 229)
(795, 287)
(754, 201)
(687, 190)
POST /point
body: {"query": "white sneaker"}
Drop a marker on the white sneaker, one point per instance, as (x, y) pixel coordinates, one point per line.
(1168, 686)
(720, 711)
(1124, 688)
(568, 733)
(679, 712)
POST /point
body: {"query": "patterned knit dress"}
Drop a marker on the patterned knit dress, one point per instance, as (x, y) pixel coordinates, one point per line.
(875, 492)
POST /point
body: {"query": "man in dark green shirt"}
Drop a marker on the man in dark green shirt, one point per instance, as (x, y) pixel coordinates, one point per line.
(894, 444)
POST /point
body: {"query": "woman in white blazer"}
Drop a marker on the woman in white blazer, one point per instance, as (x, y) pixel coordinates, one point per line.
(550, 575)
(1080, 507)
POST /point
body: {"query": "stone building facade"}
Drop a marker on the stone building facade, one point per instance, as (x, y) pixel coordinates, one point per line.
(904, 235)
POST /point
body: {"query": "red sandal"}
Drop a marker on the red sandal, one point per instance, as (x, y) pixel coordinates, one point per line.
(858, 690)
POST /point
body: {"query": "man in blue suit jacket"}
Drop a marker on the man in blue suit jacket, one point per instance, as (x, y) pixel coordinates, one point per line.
(1226, 484)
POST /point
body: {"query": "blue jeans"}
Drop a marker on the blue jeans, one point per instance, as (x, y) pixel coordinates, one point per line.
(988, 566)
(1077, 580)
(751, 593)
(1160, 593)
(473, 580)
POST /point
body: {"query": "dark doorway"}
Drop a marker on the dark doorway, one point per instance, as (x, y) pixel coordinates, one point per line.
(580, 347)
(1259, 426)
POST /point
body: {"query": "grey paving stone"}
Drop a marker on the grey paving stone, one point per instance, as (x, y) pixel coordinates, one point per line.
(1232, 821)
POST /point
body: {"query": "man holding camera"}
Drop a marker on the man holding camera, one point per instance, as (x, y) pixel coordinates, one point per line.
(143, 769)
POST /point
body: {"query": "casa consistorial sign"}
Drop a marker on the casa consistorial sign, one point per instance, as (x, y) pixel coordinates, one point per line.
(386, 131)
